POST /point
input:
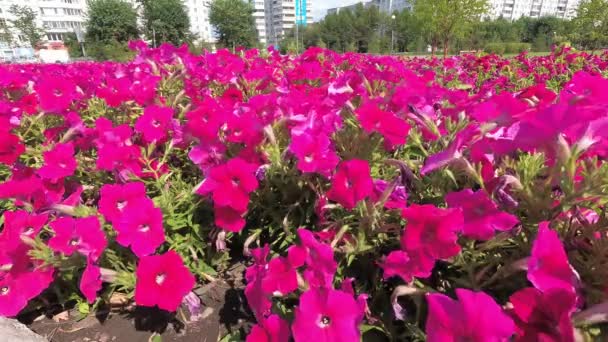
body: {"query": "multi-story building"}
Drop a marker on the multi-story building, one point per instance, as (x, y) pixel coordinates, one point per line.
(259, 15)
(56, 17)
(280, 16)
(391, 6)
(199, 19)
(515, 9)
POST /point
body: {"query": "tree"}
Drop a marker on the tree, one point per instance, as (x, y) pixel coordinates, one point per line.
(443, 20)
(25, 23)
(166, 21)
(591, 24)
(111, 20)
(6, 36)
(233, 22)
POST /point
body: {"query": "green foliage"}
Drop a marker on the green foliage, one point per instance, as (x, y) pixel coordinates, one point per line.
(234, 23)
(111, 20)
(109, 51)
(74, 48)
(442, 20)
(25, 22)
(509, 48)
(591, 24)
(166, 21)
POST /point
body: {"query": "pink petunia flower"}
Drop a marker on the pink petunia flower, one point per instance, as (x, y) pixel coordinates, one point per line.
(90, 283)
(374, 119)
(281, 273)
(548, 266)
(314, 153)
(59, 162)
(163, 281)
(432, 231)
(319, 258)
(11, 148)
(155, 123)
(397, 199)
(230, 184)
(271, 329)
(22, 223)
(543, 316)
(326, 315)
(407, 265)
(83, 235)
(351, 183)
(140, 227)
(474, 317)
(115, 197)
(228, 219)
(481, 214)
(55, 94)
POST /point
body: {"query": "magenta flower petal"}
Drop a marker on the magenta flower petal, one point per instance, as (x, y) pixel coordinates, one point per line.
(163, 281)
(115, 197)
(326, 315)
(351, 183)
(90, 283)
(548, 266)
(58, 162)
(474, 317)
(83, 235)
(155, 123)
(141, 227)
(481, 215)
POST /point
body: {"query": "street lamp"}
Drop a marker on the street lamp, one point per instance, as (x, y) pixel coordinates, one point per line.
(392, 33)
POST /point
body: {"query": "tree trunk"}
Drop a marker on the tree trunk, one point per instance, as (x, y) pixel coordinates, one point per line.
(446, 43)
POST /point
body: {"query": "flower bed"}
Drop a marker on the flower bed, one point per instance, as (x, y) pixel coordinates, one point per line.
(369, 196)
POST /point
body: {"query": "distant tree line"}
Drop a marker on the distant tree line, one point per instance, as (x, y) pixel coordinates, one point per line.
(451, 26)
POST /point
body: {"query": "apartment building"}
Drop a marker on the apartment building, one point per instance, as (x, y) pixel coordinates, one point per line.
(391, 6)
(515, 9)
(280, 16)
(56, 17)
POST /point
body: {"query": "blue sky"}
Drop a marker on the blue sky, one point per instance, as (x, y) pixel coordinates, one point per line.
(320, 6)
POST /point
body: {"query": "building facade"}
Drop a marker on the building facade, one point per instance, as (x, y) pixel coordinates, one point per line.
(56, 17)
(515, 9)
(198, 11)
(386, 6)
(280, 16)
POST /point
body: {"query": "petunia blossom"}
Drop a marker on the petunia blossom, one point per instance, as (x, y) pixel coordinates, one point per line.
(163, 281)
(22, 223)
(351, 183)
(11, 147)
(140, 227)
(59, 162)
(432, 231)
(548, 266)
(155, 123)
(327, 315)
(271, 329)
(543, 316)
(115, 197)
(481, 215)
(230, 184)
(83, 235)
(314, 153)
(90, 283)
(475, 316)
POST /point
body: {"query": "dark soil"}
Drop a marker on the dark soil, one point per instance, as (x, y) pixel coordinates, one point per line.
(224, 311)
